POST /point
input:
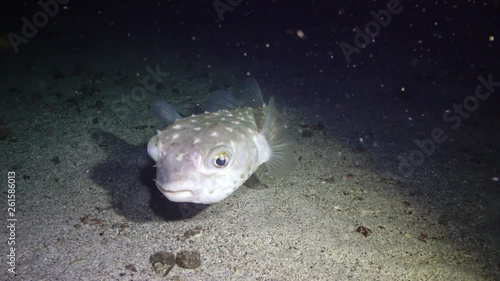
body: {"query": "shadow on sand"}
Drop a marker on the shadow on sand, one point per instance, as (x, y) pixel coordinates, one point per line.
(127, 174)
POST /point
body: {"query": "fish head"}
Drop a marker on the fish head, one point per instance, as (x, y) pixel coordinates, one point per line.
(203, 164)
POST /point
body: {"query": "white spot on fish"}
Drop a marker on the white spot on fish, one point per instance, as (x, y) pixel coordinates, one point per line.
(196, 140)
(179, 156)
(214, 134)
(177, 127)
(236, 122)
(197, 128)
(232, 144)
(229, 129)
(174, 136)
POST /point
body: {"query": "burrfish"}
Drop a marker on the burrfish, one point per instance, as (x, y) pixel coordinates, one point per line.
(204, 158)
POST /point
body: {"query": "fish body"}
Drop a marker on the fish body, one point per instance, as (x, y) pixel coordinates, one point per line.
(204, 158)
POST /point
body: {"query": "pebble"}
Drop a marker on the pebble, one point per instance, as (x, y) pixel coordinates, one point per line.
(188, 259)
(162, 262)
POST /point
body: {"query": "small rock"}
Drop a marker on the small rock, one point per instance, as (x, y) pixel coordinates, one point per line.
(55, 160)
(363, 230)
(90, 221)
(78, 261)
(349, 177)
(329, 179)
(188, 259)
(131, 267)
(95, 221)
(423, 236)
(162, 262)
(193, 232)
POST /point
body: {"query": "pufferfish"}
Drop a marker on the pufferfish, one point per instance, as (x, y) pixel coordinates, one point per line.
(204, 158)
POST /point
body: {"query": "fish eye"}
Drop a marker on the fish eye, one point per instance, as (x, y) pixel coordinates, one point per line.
(221, 160)
(219, 156)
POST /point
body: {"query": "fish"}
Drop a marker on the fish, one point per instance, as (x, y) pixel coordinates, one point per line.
(204, 158)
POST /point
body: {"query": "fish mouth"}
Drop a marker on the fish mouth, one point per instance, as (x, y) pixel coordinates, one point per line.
(178, 195)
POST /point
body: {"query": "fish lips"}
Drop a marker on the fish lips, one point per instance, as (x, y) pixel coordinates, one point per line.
(176, 194)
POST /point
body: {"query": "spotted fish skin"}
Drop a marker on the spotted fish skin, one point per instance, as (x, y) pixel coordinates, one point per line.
(204, 158)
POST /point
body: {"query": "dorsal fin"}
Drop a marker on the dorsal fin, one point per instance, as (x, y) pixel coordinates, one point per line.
(247, 94)
(164, 113)
(219, 100)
